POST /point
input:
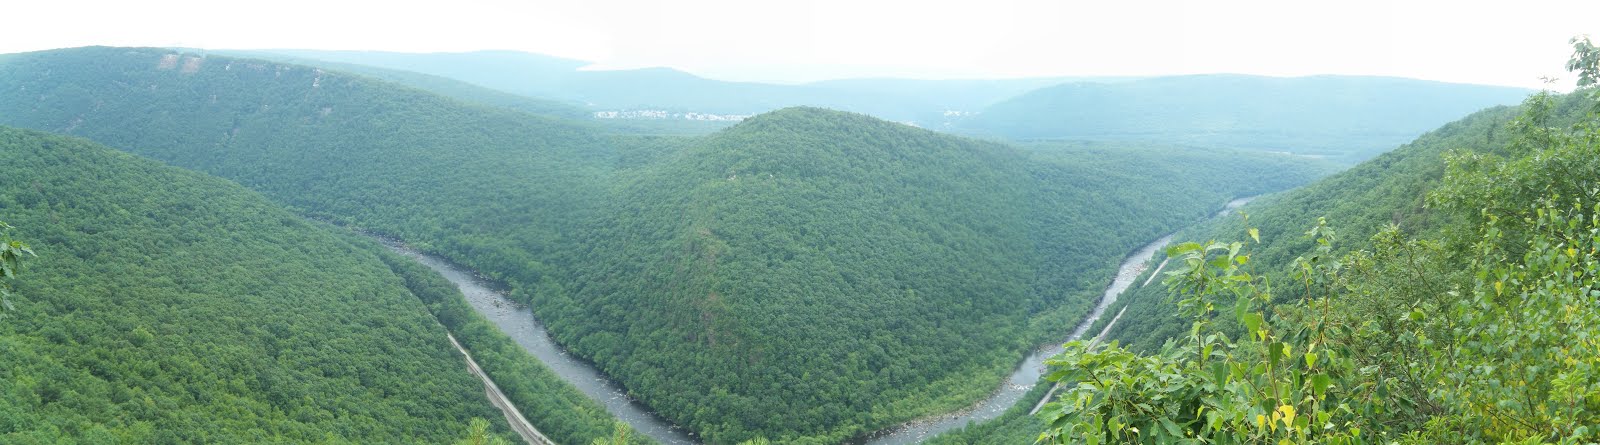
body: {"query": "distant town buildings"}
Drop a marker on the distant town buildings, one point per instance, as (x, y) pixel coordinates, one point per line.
(663, 114)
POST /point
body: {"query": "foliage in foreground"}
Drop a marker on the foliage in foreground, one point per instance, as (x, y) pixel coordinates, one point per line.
(11, 254)
(1486, 332)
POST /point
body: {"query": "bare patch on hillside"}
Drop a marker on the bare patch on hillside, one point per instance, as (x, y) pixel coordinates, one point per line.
(191, 64)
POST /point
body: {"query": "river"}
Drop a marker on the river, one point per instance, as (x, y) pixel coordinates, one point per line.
(518, 322)
(1027, 374)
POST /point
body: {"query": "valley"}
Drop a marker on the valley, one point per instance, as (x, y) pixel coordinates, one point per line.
(486, 247)
(517, 322)
(354, 151)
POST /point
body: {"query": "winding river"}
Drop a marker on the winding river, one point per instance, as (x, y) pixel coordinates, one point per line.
(1027, 374)
(518, 323)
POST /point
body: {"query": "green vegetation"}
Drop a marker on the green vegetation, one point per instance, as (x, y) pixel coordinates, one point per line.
(167, 306)
(1013, 426)
(478, 434)
(488, 187)
(1468, 316)
(805, 276)
(559, 410)
(11, 254)
(1347, 119)
(714, 266)
(1361, 201)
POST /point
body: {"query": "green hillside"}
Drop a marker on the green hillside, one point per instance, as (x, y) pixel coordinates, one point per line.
(484, 185)
(1404, 249)
(1444, 293)
(1344, 118)
(1359, 203)
(166, 306)
(851, 272)
(741, 284)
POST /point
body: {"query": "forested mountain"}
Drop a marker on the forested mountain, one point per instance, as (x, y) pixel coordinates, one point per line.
(923, 102)
(1344, 118)
(489, 184)
(927, 255)
(433, 171)
(437, 84)
(166, 306)
(790, 277)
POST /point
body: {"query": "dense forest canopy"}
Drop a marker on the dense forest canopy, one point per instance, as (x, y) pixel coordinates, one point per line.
(714, 264)
(437, 172)
(166, 306)
(696, 271)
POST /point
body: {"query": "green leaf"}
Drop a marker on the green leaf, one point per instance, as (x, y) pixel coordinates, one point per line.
(1417, 315)
(1183, 248)
(1319, 385)
(1172, 428)
(1255, 234)
(1252, 322)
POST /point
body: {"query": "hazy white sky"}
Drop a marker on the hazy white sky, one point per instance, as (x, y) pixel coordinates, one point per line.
(1491, 42)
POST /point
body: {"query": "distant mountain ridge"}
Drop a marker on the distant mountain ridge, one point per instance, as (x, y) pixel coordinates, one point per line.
(920, 101)
(1344, 118)
(1348, 118)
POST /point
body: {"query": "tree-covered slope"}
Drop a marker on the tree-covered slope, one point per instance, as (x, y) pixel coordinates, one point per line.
(1358, 203)
(487, 187)
(1385, 297)
(813, 275)
(484, 185)
(166, 306)
(1342, 117)
(1471, 318)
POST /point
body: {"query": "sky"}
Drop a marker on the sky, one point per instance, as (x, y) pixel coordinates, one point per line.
(1512, 43)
